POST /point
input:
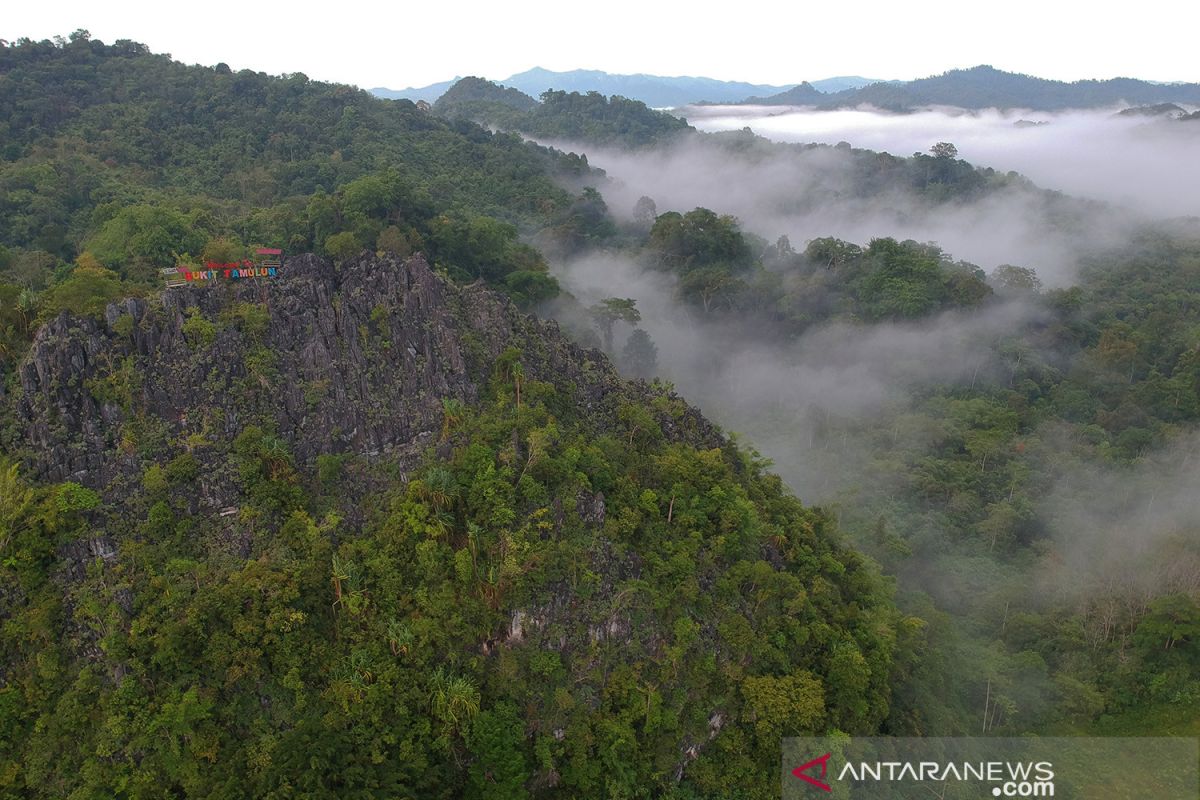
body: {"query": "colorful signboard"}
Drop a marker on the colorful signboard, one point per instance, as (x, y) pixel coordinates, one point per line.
(267, 267)
(244, 269)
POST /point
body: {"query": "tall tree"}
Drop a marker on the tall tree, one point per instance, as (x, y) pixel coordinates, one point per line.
(611, 310)
(640, 355)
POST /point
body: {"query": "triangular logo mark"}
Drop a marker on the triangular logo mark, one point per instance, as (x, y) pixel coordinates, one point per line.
(823, 761)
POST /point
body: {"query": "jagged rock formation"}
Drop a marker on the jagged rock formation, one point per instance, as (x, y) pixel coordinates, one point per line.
(356, 359)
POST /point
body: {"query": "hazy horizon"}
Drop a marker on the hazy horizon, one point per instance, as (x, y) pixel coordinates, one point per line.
(367, 45)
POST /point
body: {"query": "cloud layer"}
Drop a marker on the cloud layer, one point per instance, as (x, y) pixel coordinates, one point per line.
(1150, 165)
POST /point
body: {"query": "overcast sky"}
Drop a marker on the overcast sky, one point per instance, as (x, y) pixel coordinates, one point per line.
(403, 44)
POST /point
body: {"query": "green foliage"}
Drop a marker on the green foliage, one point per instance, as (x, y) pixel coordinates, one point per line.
(530, 287)
(142, 236)
(966, 483)
(789, 705)
(329, 467)
(154, 480)
(1170, 633)
(200, 331)
(479, 99)
(640, 356)
(392, 240)
(485, 248)
(564, 116)
(86, 292)
(905, 280)
(182, 469)
(71, 498)
(545, 606)
(499, 768)
(224, 250)
(719, 274)
(124, 325)
(117, 387)
(594, 118)
(251, 319)
(698, 239)
(472, 631)
(611, 310)
(342, 246)
(145, 161)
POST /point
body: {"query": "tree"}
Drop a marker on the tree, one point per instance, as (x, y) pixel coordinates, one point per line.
(589, 218)
(530, 287)
(697, 239)
(1015, 280)
(223, 250)
(781, 254)
(145, 235)
(1173, 623)
(88, 290)
(611, 310)
(16, 500)
(785, 705)
(454, 701)
(644, 213)
(499, 770)
(341, 246)
(640, 356)
(711, 284)
(944, 150)
(832, 253)
(392, 240)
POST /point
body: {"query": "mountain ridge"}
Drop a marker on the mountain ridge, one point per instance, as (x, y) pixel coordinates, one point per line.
(654, 90)
(981, 86)
(984, 86)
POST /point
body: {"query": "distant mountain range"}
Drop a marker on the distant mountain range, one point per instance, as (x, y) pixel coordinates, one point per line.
(428, 93)
(987, 87)
(975, 88)
(843, 82)
(653, 90)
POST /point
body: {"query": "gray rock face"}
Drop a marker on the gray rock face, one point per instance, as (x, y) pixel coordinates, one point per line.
(356, 359)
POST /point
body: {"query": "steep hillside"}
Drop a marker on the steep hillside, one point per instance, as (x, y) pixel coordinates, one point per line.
(359, 531)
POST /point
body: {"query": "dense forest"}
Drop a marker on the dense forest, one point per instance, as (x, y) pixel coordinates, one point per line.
(145, 163)
(1058, 455)
(373, 529)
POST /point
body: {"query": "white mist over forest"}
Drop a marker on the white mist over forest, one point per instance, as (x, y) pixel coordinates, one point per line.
(827, 404)
(1080, 180)
(1150, 164)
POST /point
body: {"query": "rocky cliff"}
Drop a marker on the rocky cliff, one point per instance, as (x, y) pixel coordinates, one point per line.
(355, 359)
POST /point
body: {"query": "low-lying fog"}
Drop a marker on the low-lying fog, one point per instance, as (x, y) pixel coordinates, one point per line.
(1151, 164)
(1114, 172)
(785, 397)
(812, 193)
